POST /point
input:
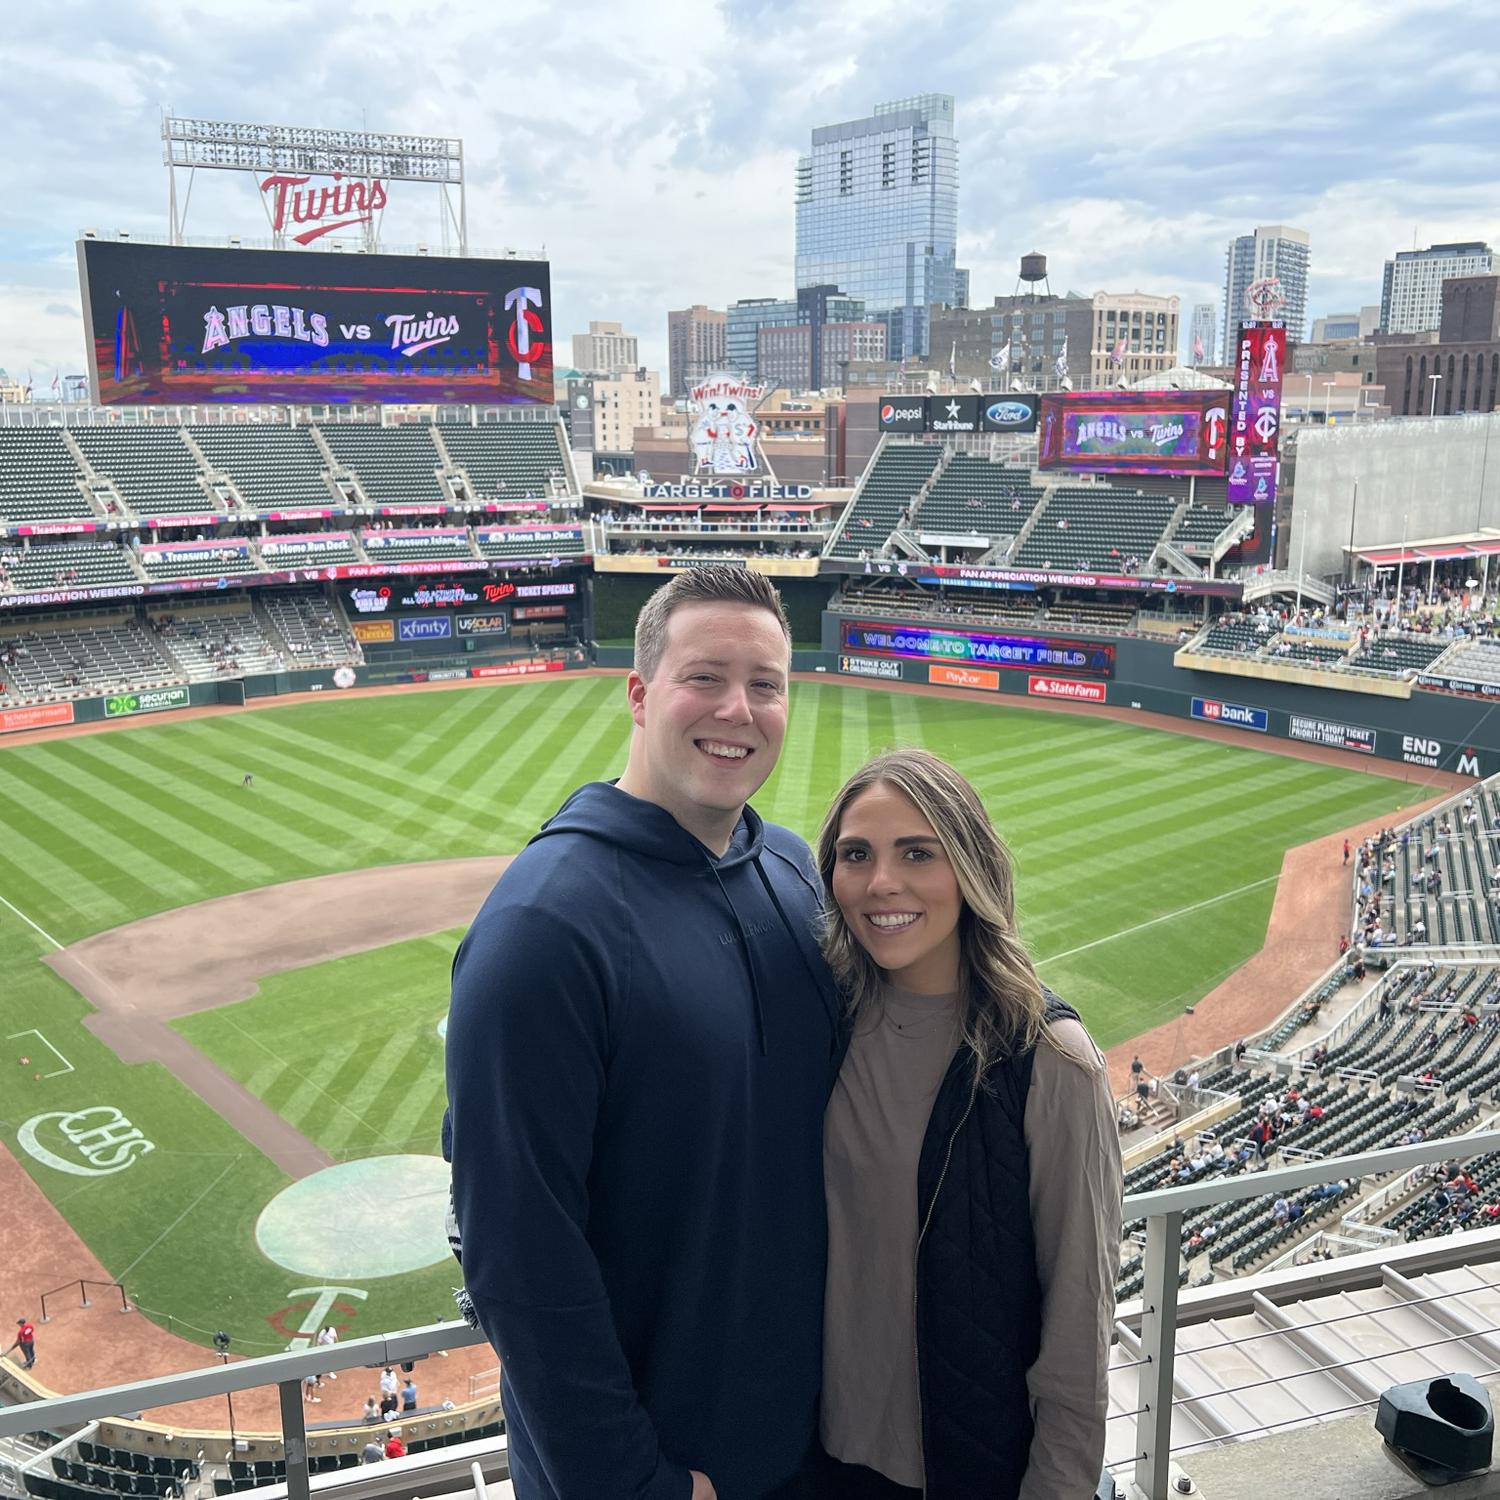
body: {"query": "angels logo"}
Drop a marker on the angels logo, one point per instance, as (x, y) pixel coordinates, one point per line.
(1270, 361)
(724, 430)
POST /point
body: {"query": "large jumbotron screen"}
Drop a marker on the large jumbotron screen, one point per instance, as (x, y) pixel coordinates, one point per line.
(175, 324)
(1140, 432)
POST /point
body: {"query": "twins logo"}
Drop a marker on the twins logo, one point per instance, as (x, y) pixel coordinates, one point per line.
(522, 299)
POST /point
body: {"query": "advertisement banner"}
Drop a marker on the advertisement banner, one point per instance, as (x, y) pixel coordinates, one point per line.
(871, 666)
(1093, 658)
(1067, 687)
(1240, 715)
(1139, 432)
(903, 414)
(145, 702)
(43, 716)
(1007, 413)
(540, 612)
(171, 324)
(517, 669)
(940, 675)
(496, 624)
(545, 590)
(953, 414)
(1255, 423)
(425, 628)
(1459, 685)
(373, 632)
(1326, 732)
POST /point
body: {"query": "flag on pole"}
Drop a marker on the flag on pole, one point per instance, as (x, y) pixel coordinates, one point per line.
(953, 361)
(1062, 361)
(1198, 347)
(1117, 354)
(56, 383)
(1000, 359)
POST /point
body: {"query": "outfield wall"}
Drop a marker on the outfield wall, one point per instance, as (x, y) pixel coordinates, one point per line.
(1438, 731)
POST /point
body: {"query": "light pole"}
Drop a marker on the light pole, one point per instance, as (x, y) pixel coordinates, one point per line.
(1432, 404)
(1400, 569)
(1328, 386)
(1353, 511)
(1307, 410)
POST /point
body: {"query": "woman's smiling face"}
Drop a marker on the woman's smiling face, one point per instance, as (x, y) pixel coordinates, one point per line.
(898, 891)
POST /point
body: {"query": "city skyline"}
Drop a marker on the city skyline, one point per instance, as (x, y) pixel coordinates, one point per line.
(669, 180)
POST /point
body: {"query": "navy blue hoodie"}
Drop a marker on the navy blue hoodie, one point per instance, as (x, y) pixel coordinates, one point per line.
(641, 1045)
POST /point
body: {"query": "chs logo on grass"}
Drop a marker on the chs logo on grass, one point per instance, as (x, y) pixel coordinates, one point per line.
(94, 1142)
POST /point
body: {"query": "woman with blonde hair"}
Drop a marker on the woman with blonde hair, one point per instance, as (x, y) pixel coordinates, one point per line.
(971, 1166)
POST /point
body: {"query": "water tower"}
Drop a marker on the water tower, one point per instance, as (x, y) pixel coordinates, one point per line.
(1033, 276)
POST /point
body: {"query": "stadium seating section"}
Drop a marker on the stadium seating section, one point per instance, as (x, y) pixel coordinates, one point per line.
(890, 487)
(208, 643)
(394, 465)
(522, 544)
(311, 630)
(1201, 527)
(411, 546)
(56, 565)
(152, 468)
(221, 559)
(71, 661)
(1462, 844)
(39, 478)
(1234, 637)
(1393, 654)
(1477, 661)
(1083, 530)
(316, 551)
(272, 467)
(507, 460)
(974, 495)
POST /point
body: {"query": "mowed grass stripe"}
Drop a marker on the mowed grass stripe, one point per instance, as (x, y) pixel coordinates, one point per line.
(365, 1097)
(236, 812)
(351, 781)
(453, 718)
(172, 819)
(68, 898)
(79, 831)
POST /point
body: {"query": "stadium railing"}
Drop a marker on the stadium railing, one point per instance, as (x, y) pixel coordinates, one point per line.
(1152, 1327)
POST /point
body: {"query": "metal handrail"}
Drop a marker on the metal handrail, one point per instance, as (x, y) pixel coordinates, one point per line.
(1164, 1210)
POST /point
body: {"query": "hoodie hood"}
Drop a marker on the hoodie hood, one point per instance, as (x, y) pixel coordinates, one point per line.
(600, 810)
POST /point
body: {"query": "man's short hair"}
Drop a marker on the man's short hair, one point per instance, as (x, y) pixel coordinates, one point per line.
(711, 585)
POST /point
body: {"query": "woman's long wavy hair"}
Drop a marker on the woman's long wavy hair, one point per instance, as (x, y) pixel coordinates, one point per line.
(1000, 996)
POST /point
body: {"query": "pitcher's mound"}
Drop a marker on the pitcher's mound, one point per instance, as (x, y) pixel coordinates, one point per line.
(359, 1220)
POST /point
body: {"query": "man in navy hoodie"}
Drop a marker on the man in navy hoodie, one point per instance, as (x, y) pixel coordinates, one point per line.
(641, 1044)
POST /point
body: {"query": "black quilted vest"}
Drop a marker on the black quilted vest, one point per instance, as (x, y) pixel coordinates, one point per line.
(978, 1311)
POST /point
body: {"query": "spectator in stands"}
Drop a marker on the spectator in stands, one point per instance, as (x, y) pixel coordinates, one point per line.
(371, 1412)
(394, 1447)
(612, 1300)
(1281, 1211)
(371, 1453)
(902, 1091)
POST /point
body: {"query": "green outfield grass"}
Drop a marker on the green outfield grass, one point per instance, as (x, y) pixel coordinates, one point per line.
(1146, 865)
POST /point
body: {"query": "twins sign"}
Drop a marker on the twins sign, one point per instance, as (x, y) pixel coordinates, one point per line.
(1255, 419)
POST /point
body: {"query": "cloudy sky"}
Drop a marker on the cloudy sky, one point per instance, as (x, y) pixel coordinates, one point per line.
(650, 147)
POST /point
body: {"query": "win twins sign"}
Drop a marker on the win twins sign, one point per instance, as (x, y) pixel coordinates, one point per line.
(172, 324)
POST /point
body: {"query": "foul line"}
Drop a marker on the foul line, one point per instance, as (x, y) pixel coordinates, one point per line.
(27, 920)
(178, 1220)
(1181, 911)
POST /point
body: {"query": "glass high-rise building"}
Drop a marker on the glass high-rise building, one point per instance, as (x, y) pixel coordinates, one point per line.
(1273, 250)
(1411, 294)
(877, 214)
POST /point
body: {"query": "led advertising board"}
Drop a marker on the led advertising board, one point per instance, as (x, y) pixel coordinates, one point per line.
(1135, 432)
(977, 648)
(1255, 418)
(169, 324)
(957, 413)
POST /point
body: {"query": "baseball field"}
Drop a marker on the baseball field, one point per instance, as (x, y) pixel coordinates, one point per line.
(236, 1105)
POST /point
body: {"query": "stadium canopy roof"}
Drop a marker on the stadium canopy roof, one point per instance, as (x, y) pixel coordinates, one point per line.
(1434, 549)
(1181, 378)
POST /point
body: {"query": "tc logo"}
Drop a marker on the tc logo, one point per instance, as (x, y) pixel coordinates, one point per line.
(301, 1319)
(94, 1142)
